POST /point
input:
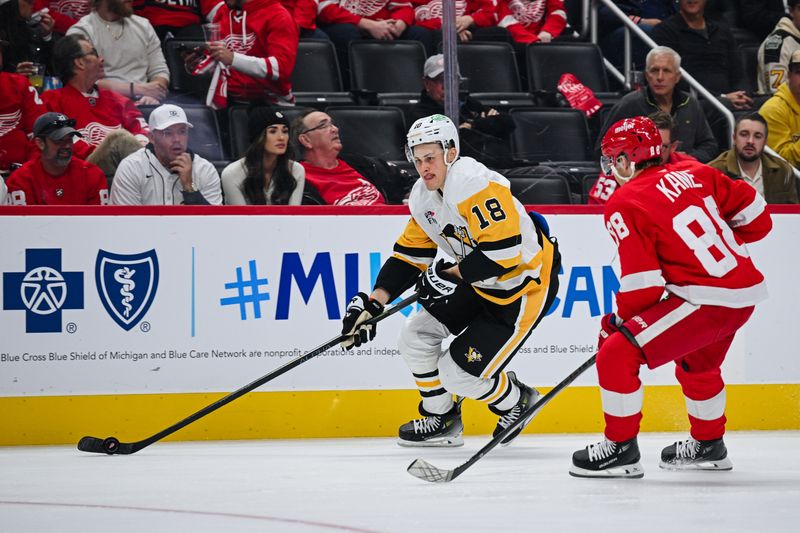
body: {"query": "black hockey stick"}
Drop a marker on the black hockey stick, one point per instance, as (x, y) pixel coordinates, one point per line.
(112, 445)
(424, 470)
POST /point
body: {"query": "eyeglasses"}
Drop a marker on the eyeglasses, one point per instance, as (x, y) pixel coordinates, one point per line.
(325, 124)
(92, 52)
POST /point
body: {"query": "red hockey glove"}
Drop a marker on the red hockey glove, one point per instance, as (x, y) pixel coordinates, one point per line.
(609, 324)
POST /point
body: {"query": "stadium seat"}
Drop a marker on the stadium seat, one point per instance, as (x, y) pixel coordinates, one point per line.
(371, 131)
(386, 67)
(547, 62)
(180, 81)
(204, 136)
(588, 181)
(316, 81)
(552, 189)
(492, 78)
(749, 55)
(237, 126)
(550, 135)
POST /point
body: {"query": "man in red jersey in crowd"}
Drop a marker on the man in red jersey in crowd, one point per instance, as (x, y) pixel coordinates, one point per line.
(667, 127)
(54, 177)
(687, 285)
(254, 59)
(19, 107)
(181, 18)
(105, 119)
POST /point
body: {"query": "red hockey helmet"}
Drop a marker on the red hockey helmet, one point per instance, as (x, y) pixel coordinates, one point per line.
(638, 138)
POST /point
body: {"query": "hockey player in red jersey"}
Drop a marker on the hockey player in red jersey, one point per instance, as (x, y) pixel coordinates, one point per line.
(53, 176)
(687, 285)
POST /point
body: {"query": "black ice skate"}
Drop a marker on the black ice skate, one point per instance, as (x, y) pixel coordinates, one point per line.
(527, 397)
(693, 454)
(608, 459)
(434, 430)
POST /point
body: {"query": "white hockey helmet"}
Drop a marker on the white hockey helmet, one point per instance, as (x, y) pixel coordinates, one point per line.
(433, 129)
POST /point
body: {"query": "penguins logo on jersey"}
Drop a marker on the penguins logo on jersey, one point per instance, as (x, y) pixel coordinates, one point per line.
(473, 355)
(463, 243)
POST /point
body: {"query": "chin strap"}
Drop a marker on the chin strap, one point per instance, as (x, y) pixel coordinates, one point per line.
(620, 179)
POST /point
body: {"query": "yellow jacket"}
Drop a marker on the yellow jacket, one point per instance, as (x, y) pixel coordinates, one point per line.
(782, 113)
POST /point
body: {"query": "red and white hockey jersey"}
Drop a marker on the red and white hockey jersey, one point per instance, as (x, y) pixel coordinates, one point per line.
(65, 13)
(343, 185)
(20, 106)
(683, 228)
(96, 115)
(428, 13)
(605, 185)
(525, 19)
(352, 11)
(265, 32)
(177, 13)
(82, 184)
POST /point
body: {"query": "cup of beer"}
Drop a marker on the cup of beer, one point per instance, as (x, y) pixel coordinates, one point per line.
(36, 77)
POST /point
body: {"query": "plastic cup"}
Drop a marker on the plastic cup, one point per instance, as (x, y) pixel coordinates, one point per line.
(211, 32)
(36, 77)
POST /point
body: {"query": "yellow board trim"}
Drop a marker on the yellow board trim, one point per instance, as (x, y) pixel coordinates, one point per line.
(265, 415)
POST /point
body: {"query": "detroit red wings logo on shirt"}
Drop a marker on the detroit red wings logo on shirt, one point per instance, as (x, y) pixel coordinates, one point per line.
(241, 43)
(367, 194)
(94, 132)
(9, 121)
(72, 8)
(528, 12)
(364, 8)
(433, 10)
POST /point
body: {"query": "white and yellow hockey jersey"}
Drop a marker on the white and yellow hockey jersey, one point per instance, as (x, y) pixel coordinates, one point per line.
(479, 224)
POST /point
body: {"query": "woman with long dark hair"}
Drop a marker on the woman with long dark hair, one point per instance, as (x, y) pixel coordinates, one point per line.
(267, 174)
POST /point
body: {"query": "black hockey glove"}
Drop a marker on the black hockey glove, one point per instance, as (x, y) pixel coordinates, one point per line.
(359, 310)
(435, 287)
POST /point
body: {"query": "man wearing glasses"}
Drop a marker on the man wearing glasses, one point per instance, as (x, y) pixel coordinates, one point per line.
(345, 179)
(108, 122)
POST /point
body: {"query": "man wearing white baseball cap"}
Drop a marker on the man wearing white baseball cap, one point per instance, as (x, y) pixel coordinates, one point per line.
(166, 172)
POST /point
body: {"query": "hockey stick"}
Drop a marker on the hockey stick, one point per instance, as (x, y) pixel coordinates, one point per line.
(424, 470)
(113, 446)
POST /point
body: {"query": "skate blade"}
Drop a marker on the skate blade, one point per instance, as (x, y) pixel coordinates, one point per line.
(723, 465)
(441, 442)
(632, 471)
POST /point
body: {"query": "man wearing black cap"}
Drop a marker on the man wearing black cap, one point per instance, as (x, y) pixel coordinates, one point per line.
(19, 107)
(54, 177)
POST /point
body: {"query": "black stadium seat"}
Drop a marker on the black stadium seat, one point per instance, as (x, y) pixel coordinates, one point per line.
(316, 81)
(181, 81)
(386, 67)
(492, 78)
(553, 189)
(237, 126)
(371, 131)
(204, 136)
(550, 135)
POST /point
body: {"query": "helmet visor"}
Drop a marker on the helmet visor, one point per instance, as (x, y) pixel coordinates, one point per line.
(606, 164)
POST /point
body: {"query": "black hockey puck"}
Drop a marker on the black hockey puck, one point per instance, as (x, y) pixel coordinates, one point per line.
(110, 445)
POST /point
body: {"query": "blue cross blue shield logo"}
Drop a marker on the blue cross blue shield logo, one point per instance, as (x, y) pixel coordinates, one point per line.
(126, 285)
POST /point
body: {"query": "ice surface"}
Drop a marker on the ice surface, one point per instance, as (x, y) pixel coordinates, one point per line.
(362, 485)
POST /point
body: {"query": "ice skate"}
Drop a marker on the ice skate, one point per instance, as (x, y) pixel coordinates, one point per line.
(434, 430)
(527, 397)
(693, 454)
(608, 459)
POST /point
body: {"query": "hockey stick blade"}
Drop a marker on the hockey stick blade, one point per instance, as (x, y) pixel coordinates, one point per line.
(425, 471)
(112, 446)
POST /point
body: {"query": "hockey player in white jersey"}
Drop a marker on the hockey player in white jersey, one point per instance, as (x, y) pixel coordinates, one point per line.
(495, 285)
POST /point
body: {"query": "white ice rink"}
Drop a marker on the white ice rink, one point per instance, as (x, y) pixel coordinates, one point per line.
(362, 485)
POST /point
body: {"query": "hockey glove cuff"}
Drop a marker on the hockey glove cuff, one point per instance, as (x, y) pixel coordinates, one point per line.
(360, 309)
(609, 325)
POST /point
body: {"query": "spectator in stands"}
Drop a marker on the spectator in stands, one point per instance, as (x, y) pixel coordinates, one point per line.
(110, 125)
(383, 20)
(777, 48)
(532, 21)
(483, 132)
(304, 13)
(19, 107)
(53, 176)
(668, 129)
(771, 176)
(30, 41)
(646, 14)
(709, 52)
(782, 113)
(182, 20)
(134, 63)
(253, 62)
(64, 13)
(166, 172)
(662, 73)
(475, 19)
(761, 16)
(351, 179)
(267, 174)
